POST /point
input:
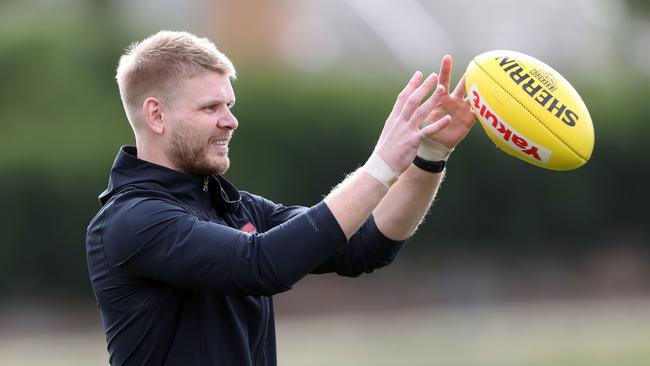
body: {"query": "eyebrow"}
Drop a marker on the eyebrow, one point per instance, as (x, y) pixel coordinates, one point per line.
(209, 102)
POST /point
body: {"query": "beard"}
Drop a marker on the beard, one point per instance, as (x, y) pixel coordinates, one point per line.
(191, 152)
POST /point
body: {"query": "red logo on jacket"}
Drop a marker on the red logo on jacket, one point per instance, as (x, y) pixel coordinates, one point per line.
(249, 228)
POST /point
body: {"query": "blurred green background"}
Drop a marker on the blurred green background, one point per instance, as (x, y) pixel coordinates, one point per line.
(515, 265)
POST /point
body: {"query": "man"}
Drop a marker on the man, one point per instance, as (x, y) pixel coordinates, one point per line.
(183, 265)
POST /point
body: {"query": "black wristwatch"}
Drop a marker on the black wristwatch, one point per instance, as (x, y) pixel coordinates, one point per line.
(430, 166)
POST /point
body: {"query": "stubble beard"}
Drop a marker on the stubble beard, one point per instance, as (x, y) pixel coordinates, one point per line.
(190, 152)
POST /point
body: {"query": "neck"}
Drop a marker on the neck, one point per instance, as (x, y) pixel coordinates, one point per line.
(155, 156)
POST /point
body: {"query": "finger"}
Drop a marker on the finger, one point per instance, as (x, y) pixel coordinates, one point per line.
(416, 97)
(445, 71)
(436, 127)
(460, 90)
(427, 107)
(403, 96)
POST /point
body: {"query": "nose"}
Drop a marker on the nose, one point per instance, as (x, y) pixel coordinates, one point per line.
(228, 121)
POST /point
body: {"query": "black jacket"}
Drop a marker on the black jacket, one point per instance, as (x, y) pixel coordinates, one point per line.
(183, 267)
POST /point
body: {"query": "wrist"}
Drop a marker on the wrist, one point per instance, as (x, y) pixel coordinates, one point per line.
(380, 170)
(432, 156)
(431, 150)
(430, 166)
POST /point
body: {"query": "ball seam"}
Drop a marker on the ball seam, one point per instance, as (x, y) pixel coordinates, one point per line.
(531, 113)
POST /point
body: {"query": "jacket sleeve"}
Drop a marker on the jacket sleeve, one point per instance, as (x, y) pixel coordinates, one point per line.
(368, 249)
(150, 236)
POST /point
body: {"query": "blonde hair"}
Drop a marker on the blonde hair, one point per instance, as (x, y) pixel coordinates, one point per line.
(157, 63)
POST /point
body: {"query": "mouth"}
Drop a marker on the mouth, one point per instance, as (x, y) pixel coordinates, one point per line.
(220, 142)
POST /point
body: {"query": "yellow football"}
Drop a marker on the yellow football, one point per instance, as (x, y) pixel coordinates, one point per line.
(529, 110)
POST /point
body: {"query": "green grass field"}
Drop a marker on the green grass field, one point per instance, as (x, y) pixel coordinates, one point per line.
(551, 334)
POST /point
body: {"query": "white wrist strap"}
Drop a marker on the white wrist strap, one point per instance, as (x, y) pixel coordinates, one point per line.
(432, 150)
(377, 167)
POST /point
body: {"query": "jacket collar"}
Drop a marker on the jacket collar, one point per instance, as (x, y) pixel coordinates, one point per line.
(128, 170)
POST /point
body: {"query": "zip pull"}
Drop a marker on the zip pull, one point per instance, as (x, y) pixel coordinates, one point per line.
(206, 181)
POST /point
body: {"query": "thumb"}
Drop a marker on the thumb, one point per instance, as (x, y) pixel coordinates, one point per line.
(436, 127)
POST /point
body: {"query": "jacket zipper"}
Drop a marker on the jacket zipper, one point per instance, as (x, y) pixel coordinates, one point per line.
(261, 337)
(206, 182)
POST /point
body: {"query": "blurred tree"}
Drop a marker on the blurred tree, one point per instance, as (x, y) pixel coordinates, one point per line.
(62, 123)
(638, 7)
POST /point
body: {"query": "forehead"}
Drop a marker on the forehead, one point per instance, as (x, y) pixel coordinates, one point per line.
(206, 86)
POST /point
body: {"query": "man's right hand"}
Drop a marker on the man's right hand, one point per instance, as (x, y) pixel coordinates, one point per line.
(401, 136)
(352, 201)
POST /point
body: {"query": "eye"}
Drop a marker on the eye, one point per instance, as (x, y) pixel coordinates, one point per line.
(211, 108)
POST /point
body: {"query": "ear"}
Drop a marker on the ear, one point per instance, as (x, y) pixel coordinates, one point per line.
(153, 115)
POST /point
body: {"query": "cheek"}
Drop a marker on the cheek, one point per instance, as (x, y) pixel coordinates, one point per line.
(191, 129)
(184, 137)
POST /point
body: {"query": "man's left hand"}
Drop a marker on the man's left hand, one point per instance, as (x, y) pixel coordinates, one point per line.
(453, 104)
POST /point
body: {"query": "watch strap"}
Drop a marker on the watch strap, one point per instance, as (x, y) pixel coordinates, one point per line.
(430, 166)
